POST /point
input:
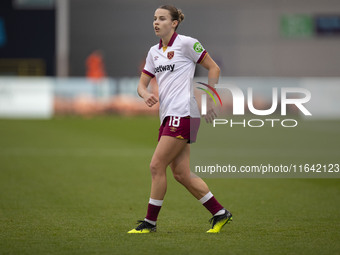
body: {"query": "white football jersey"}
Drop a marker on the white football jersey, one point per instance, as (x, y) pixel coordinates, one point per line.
(174, 68)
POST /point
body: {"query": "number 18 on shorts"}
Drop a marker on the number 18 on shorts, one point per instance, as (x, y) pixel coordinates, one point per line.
(185, 128)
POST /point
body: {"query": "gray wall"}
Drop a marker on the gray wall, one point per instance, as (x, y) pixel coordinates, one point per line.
(242, 36)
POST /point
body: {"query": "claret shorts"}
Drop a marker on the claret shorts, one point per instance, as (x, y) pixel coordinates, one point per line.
(180, 128)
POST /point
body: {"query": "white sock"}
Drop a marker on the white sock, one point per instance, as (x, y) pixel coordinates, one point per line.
(150, 221)
(206, 197)
(220, 212)
(155, 202)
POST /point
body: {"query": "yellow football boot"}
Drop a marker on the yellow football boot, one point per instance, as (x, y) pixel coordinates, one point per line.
(219, 221)
(143, 228)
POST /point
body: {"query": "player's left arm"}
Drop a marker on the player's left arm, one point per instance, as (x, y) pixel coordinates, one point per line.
(213, 75)
(213, 70)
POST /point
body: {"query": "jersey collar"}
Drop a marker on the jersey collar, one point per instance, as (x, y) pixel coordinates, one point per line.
(173, 37)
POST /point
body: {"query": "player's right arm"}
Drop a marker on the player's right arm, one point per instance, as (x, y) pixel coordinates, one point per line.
(149, 98)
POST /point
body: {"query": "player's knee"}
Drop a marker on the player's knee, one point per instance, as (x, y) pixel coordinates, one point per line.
(181, 178)
(156, 168)
(178, 177)
(153, 168)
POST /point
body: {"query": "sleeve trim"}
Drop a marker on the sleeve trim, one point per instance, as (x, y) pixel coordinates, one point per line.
(148, 73)
(202, 57)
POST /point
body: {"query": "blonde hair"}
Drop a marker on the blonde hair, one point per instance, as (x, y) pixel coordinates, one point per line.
(176, 14)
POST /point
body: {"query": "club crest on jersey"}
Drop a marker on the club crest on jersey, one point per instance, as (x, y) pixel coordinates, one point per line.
(171, 54)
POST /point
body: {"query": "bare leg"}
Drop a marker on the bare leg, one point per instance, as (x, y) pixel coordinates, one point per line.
(180, 167)
(167, 150)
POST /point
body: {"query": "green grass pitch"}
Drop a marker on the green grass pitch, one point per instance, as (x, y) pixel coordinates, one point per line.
(76, 186)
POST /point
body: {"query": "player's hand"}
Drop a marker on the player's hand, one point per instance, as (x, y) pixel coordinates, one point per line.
(211, 113)
(150, 99)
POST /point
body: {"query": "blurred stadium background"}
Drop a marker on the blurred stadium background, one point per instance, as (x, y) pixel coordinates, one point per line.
(87, 55)
(69, 112)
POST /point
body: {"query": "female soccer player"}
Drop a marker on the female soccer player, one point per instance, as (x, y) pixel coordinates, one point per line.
(173, 63)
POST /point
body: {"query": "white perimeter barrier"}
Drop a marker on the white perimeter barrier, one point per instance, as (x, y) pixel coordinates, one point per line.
(37, 97)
